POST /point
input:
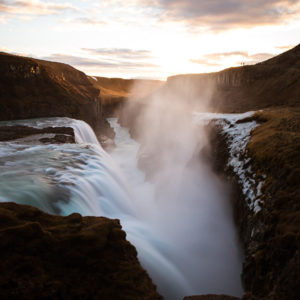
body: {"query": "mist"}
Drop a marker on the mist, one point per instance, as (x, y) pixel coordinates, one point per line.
(189, 208)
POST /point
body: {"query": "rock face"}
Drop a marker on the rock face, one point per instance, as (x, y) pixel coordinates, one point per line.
(275, 82)
(115, 92)
(61, 134)
(32, 88)
(73, 257)
(271, 236)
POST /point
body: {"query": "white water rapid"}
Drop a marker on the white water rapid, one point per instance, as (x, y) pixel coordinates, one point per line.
(182, 230)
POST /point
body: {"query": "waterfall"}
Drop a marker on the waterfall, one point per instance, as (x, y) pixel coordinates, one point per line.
(83, 178)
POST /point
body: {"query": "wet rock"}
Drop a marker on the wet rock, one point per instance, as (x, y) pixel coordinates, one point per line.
(74, 257)
(107, 143)
(59, 139)
(63, 134)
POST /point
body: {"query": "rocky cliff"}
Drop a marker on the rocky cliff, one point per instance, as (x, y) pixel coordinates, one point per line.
(275, 82)
(53, 257)
(32, 88)
(269, 231)
(270, 234)
(116, 91)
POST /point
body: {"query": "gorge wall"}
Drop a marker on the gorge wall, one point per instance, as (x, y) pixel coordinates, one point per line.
(32, 88)
(271, 233)
(275, 82)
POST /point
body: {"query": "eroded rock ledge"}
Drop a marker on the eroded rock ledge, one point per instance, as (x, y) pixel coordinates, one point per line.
(74, 257)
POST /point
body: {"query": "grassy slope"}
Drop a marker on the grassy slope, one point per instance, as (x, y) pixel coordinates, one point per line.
(272, 267)
(35, 88)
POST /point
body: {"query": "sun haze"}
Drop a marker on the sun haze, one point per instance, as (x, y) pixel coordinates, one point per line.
(149, 38)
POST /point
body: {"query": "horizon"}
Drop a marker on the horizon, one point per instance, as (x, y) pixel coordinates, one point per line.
(149, 39)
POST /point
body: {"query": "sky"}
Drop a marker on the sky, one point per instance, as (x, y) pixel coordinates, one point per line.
(149, 38)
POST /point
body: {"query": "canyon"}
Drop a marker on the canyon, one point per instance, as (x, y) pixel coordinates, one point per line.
(268, 226)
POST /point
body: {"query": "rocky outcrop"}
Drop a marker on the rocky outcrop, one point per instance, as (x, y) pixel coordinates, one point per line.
(271, 235)
(73, 257)
(32, 88)
(275, 82)
(59, 134)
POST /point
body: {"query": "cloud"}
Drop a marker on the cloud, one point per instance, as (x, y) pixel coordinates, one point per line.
(78, 61)
(120, 53)
(203, 61)
(33, 7)
(226, 14)
(87, 21)
(217, 59)
(285, 47)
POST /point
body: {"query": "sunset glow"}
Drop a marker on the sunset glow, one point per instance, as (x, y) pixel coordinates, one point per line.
(149, 38)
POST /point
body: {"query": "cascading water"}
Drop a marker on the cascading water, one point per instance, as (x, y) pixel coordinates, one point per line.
(176, 227)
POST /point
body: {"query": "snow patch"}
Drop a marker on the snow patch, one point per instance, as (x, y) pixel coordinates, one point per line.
(238, 137)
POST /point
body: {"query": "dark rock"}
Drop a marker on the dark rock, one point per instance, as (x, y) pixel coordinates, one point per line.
(63, 134)
(270, 237)
(74, 257)
(59, 139)
(32, 88)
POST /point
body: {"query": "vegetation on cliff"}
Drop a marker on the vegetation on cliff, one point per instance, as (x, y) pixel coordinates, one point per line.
(53, 257)
(272, 263)
(271, 235)
(32, 88)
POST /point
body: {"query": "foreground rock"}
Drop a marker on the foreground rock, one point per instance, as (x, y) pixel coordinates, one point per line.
(73, 257)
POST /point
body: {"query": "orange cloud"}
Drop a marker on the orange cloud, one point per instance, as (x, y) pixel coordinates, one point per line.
(216, 59)
(32, 7)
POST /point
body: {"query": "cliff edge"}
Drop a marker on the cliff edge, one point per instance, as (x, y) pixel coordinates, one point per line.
(32, 88)
(73, 257)
(275, 82)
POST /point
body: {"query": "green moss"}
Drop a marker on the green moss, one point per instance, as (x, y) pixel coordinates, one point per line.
(274, 149)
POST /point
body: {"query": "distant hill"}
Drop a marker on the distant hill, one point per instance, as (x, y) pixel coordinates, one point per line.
(117, 88)
(32, 88)
(275, 82)
(116, 91)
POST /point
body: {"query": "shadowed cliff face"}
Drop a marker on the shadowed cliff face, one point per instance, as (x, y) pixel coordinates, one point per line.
(271, 234)
(73, 257)
(275, 82)
(116, 91)
(32, 88)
